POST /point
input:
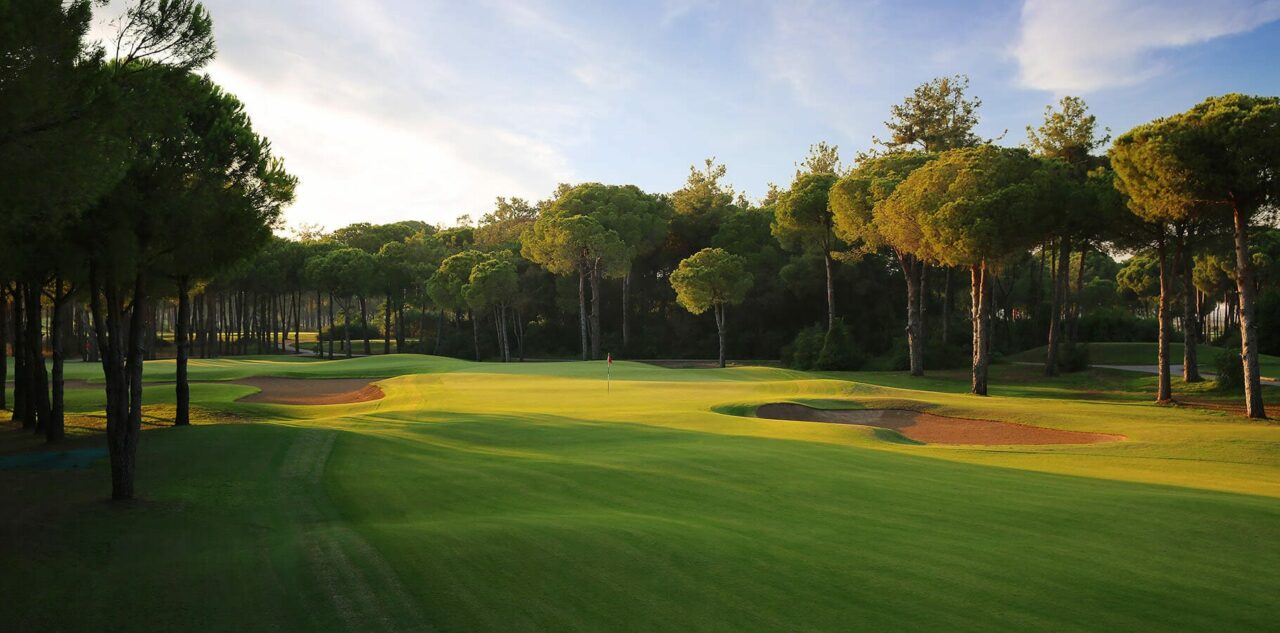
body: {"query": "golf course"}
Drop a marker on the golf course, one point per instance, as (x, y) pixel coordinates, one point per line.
(544, 496)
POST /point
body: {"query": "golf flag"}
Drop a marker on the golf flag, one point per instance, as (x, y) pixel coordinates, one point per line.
(608, 373)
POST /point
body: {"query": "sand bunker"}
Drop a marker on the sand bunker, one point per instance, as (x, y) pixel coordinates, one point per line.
(936, 429)
(310, 391)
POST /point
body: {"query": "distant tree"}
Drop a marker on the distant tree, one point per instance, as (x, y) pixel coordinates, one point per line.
(935, 117)
(345, 272)
(564, 243)
(492, 285)
(861, 219)
(709, 280)
(974, 207)
(448, 286)
(823, 158)
(803, 220)
(1070, 135)
(1219, 158)
(501, 228)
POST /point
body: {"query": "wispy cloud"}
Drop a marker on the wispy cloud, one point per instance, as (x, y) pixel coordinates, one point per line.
(1093, 44)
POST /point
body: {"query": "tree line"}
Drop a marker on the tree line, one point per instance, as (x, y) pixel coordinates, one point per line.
(141, 212)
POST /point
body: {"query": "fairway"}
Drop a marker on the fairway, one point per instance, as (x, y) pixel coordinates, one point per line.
(506, 497)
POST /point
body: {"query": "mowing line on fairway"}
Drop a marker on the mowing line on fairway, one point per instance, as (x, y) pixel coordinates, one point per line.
(329, 546)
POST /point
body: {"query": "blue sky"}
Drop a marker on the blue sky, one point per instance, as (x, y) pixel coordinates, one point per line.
(428, 110)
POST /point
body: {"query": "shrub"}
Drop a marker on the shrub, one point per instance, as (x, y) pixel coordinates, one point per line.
(1230, 372)
(1115, 324)
(803, 352)
(357, 332)
(838, 350)
(1073, 357)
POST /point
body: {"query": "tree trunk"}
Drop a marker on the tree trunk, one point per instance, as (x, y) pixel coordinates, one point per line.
(915, 345)
(21, 377)
(297, 322)
(346, 326)
(1164, 392)
(333, 332)
(181, 340)
(386, 325)
(582, 310)
(4, 349)
(364, 325)
(626, 295)
(519, 335)
(720, 330)
(55, 428)
(39, 383)
(1248, 326)
(475, 333)
(831, 292)
(946, 304)
(595, 312)
(981, 304)
(1073, 332)
(1057, 306)
(1190, 315)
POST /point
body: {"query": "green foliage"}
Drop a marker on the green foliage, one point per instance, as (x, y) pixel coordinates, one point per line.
(1073, 357)
(492, 282)
(1230, 371)
(935, 117)
(857, 213)
(709, 278)
(839, 352)
(802, 217)
(1218, 156)
(802, 353)
(971, 205)
(573, 244)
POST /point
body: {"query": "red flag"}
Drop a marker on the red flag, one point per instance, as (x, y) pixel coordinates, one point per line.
(609, 357)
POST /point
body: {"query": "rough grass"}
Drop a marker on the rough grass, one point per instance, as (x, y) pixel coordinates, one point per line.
(1147, 354)
(527, 497)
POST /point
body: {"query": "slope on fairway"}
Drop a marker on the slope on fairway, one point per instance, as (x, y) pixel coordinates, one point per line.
(1147, 354)
(527, 497)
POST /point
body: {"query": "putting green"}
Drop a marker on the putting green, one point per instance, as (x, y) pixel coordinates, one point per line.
(534, 497)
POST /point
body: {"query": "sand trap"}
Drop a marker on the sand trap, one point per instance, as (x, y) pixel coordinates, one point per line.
(936, 429)
(310, 391)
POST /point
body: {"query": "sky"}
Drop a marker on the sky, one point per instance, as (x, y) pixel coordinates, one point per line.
(414, 109)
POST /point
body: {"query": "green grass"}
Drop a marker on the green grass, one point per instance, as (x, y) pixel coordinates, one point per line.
(1146, 354)
(527, 497)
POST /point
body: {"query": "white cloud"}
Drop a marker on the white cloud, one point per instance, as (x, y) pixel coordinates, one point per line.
(1093, 44)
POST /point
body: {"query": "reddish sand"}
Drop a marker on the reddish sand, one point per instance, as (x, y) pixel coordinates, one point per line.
(936, 429)
(310, 391)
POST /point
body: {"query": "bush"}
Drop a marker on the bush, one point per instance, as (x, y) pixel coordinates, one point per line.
(803, 352)
(1230, 372)
(1115, 324)
(838, 351)
(357, 332)
(1073, 357)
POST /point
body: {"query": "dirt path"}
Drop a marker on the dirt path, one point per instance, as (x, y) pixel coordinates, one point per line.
(354, 576)
(936, 429)
(310, 390)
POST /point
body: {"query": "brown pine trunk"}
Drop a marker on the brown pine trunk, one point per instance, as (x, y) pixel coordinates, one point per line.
(595, 311)
(946, 304)
(39, 383)
(831, 292)
(720, 330)
(364, 325)
(1056, 307)
(181, 340)
(981, 304)
(1248, 326)
(582, 310)
(54, 430)
(4, 349)
(1190, 315)
(915, 346)
(475, 334)
(1164, 392)
(626, 296)
(386, 325)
